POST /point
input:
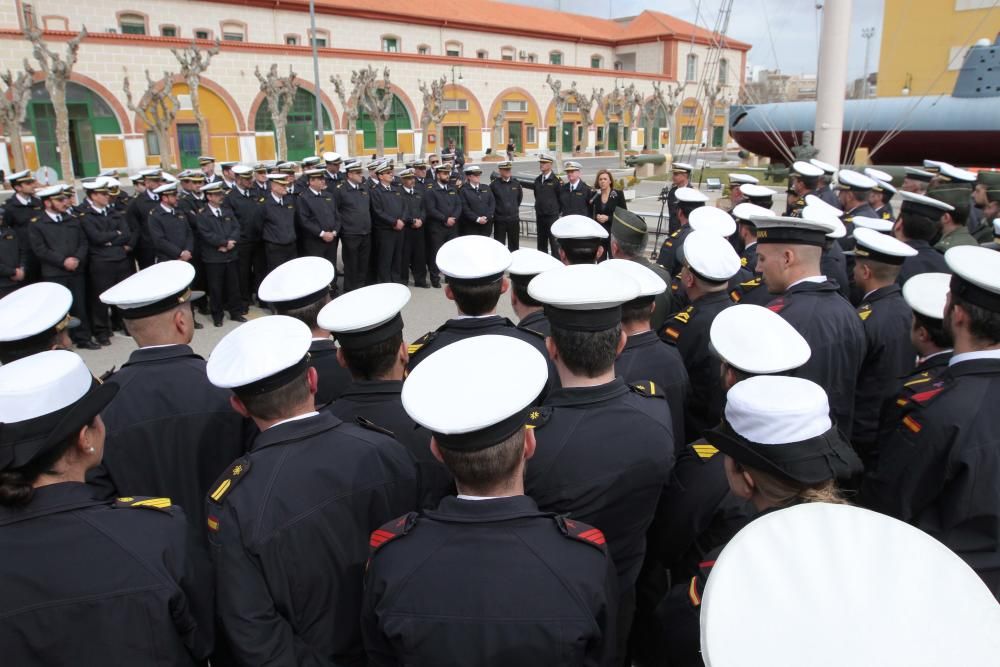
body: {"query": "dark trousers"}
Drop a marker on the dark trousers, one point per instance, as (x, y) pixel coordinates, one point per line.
(475, 229)
(543, 225)
(317, 247)
(355, 251)
(223, 282)
(508, 232)
(277, 254)
(251, 269)
(438, 234)
(389, 246)
(145, 254)
(414, 256)
(102, 275)
(77, 285)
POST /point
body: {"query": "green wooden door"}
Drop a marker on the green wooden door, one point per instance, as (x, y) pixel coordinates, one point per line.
(717, 133)
(454, 133)
(514, 134)
(612, 136)
(299, 135)
(81, 141)
(567, 137)
(189, 141)
(43, 126)
(400, 120)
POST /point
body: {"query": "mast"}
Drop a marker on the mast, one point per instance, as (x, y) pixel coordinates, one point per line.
(831, 81)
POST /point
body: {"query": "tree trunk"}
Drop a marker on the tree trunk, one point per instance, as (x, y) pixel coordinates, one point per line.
(199, 117)
(166, 154)
(352, 138)
(281, 141)
(672, 138)
(585, 139)
(16, 146)
(379, 136)
(58, 97)
(559, 137)
(425, 122)
(621, 142)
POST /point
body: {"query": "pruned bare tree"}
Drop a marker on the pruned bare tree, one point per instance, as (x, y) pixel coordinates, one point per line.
(586, 105)
(712, 95)
(376, 100)
(626, 117)
(349, 102)
(157, 108)
(13, 104)
(498, 129)
(194, 62)
(280, 94)
(434, 110)
(651, 108)
(57, 70)
(671, 101)
(603, 103)
(559, 99)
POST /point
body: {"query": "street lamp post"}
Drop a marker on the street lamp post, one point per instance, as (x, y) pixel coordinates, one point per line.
(318, 121)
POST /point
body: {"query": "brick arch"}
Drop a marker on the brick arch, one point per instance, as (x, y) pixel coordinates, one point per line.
(120, 113)
(494, 105)
(327, 103)
(468, 93)
(404, 98)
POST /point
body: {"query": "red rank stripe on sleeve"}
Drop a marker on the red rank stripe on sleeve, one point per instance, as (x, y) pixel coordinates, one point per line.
(380, 537)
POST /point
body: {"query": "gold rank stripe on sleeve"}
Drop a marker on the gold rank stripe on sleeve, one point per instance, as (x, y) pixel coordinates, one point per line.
(220, 491)
(673, 333)
(413, 347)
(152, 502)
(920, 380)
(912, 424)
(705, 450)
(693, 592)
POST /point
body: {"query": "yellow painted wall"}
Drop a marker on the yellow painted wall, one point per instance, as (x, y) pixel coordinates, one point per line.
(405, 140)
(471, 119)
(111, 152)
(221, 124)
(265, 146)
(917, 40)
(682, 119)
(530, 117)
(30, 154)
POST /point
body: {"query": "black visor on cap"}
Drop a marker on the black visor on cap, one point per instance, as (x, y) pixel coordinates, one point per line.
(812, 461)
(876, 256)
(483, 438)
(161, 306)
(301, 302)
(792, 236)
(926, 178)
(767, 201)
(974, 294)
(485, 280)
(22, 442)
(272, 382)
(926, 210)
(600, 319)
(359, 340)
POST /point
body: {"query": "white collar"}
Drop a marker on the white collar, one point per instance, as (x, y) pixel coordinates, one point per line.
(55, 216)
(293, 419)
(810, 279)
(977, 354)
(21, 199)
(315, 192)
(473, 317)
(934, 354)
(168, 210)
(462, 496)
(277, 198)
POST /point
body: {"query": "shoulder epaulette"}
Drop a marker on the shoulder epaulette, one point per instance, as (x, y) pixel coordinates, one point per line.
(538, 416)
(415, 346)
(705, 450)
(233, 476)
(777, 305)
(146, 502)
(751, 284)
(390, 531)
(865, 311)
(581, 532)
(106, 375)
(647, 389)
(372, 426)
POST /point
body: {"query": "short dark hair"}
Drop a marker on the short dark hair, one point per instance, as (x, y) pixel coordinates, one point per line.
(983, 324)
(632, 249)
(881, 270)
(961, 213)
(580, 251)
(477, 299)
(277, 403)
(19, 349)
(305, 314)
(520, 288)
(919, 227)
(637, 310)
(587, 353)
(940, 336)
(480, 469)
(374, 361)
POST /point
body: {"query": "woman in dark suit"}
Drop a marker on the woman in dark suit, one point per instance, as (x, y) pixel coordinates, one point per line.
(604, 202)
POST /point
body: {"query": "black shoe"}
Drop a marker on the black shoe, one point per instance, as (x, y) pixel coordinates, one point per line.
(198, 325)
(88, 345)
(422, 283)
(237, 318)
(217, 321)
(106, 342)
(436, 283)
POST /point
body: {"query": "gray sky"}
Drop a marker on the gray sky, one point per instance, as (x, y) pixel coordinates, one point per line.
(793, 26)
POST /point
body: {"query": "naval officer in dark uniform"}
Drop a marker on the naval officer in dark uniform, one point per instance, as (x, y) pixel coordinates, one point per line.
(918, 225)
(388, 225)
(645, 358)
(709, 264)
(368, 325)
(170, 431)
(21, 210)
(525, 264)
(628, 241)
(442, 586)
(33, 319)
(247, 205)
(218, 235)
(669, 257)
(278, 225)
(853, 189)
(582, 240)
(825, 190)
(574, 195)
(788, 254)
(300, 288)
(474, 267)
(574, 471)
(110, 241)
(288, 523)
(354, 210)
(547, 190)
(886, 320)
(680, 177)
(507, 193)
(318, 224)
(444, 208)
(939, 468)
(478, 204)
(84, 576)
(803, 180)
